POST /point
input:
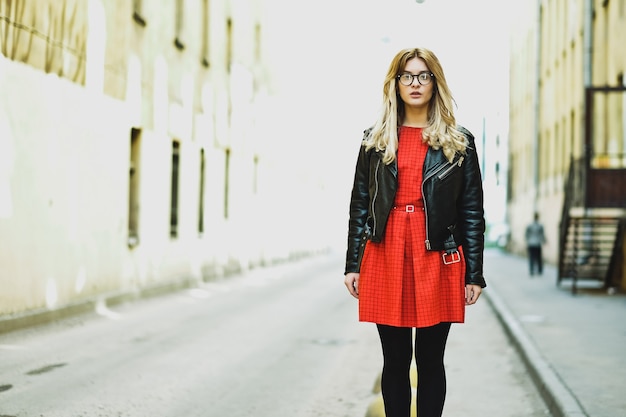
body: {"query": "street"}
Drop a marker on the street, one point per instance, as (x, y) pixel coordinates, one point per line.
(282, 341)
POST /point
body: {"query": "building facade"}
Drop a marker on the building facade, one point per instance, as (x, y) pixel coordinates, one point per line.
(561, 50)
(135, 149)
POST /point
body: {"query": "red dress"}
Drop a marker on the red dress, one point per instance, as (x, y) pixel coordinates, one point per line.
(401, 283)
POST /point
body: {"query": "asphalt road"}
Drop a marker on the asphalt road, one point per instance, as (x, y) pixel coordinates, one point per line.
(276, 342)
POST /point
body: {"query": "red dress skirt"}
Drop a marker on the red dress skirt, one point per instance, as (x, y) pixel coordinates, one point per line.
(401, 283)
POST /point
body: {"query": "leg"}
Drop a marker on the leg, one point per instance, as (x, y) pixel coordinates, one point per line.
(430, 345)
(532, 250)
(539, 260)
(529, 251)
(395, 383)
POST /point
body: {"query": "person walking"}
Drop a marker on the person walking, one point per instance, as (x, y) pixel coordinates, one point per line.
(535, 238)
(416, 226)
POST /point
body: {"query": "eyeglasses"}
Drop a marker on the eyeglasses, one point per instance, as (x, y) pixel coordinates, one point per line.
(424, 78)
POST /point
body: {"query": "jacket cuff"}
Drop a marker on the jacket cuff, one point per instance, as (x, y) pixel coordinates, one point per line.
(480, 281)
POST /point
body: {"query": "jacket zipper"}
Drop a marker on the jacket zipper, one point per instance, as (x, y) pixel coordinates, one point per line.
(374, 197)
(447, 171)
(440, 176)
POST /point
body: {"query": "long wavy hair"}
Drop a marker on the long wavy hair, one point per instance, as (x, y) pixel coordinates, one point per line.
(441, 131)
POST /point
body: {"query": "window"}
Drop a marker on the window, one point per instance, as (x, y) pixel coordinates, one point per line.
(229, 44)
(138, 12)
(201, 193)
(179, 24)
(226, 181)
(133, 188)
(257, 43)
(174, 189)
(205, 33)
(255, 179)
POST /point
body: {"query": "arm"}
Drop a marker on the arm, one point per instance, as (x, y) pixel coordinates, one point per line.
(472, 219)
(359, 202)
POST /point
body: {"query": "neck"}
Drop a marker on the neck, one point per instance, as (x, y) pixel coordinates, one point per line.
(415, 117)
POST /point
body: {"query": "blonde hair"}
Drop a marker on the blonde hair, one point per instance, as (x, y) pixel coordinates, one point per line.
(441, 131)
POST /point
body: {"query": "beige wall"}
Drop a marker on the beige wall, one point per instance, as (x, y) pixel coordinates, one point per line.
(559, 119)
(50, 35)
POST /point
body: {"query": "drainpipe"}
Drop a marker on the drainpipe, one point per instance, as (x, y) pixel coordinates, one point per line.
(587, 82)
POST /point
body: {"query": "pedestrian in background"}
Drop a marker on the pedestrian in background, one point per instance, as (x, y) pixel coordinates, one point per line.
(535, 238)
(416, 229)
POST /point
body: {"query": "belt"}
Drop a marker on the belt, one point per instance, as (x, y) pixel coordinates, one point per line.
(409, 208)
(455, 256)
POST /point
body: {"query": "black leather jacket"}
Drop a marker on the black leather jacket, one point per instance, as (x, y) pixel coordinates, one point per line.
(453, 201)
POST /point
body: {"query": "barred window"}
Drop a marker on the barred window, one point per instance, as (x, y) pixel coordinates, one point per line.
(174, 189)
(180, 24)
(204, 59)
(138, 12)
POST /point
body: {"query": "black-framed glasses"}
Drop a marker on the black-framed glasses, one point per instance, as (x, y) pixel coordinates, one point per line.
(424, 78)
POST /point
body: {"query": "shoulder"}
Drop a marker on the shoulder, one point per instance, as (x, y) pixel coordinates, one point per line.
(465, 132)
(366, 149)
(470, 143)
(366, 141)
(367, 132)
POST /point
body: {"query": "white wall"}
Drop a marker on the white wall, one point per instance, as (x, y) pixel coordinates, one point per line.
(64, 189)
(64, 222)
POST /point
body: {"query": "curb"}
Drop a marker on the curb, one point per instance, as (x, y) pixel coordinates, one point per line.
(558, 397)
(44, 316)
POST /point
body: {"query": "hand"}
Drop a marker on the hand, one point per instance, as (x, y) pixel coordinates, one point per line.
(472, 292)
(352, 283)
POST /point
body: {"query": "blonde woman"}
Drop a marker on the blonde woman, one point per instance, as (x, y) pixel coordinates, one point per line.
(416, 229)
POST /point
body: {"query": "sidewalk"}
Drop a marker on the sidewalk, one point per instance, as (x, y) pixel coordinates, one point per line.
(574, 345)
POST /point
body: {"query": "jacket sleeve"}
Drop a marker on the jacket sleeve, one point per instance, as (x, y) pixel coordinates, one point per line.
(472, 215)
(359, 202)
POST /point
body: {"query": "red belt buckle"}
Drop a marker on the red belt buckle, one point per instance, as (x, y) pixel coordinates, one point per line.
(409, 208)
(454, 257)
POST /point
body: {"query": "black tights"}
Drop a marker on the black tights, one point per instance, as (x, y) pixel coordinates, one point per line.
(430, 344)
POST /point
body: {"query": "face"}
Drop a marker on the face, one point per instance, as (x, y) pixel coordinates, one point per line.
(416, 95)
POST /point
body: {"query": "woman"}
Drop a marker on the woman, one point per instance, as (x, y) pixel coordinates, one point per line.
(416, 229)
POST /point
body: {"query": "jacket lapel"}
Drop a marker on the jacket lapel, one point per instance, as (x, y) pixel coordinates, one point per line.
(434, 160)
